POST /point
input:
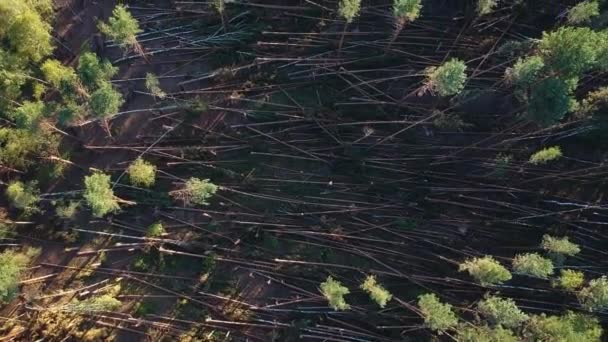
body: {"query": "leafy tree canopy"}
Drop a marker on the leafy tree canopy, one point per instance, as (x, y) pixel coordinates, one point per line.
(525, 71)
(376, 291)
(155, 230)
(105, 101)
(94, 72)
(545, 155)
(12, 264)
(409, 10)
(334, 292)
(570, 279)
(23, 196)
(59, 75)
(437, 315)
(17, 146)
(594, 297)
(122, 28)
(571, 327)
(142, 173)
(29, 115)
(349, 9)
(447, 79)
(22, 26)
(502, 311)
(487, 271)
(99, 195)
(198, 191)
(583, 12)
(533, 264)
(559, 245)
(469, 333)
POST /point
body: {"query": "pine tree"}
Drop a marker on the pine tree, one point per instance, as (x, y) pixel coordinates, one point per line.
(583, 12)
(378, 293)
(12, 265)
(105, 101)
(502, 311)
(437, 315)
(561, 246)
(23, 196)
(447, 79)
(197, 191)
(533, 264)
(487, 271)
(486, 6)
(570, 280)
(142, 173)
(153, 86)
(594, 297)
(334, 292)
(122, 28)
(470, 333)
(99, 195)
(155, 230)
(546, 155)
(94, 72)
(571, 327)
(348, 10)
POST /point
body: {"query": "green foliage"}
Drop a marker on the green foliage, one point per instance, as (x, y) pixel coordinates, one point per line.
(471, 333)
(437, 315)
(594, 297)
(349, 9)
(67, 211)
(570, 280)
(155, 230)
(29, 115)
(94, 72)
(23, 196)
(486, 6)
(571, 327)
(561, 246)
(525, 71)
(18, 146)
(502, 312)
(122, 28)
(545, 155)
(583, 12)
(594, 101)
(142, 173)
(57, 74)
(533, 264)
(549, 101)
(409, 10)
(105, 101)
(153, 86)
(99, 194)
(104, 302)
(198, 191)
(486, 270)
(12, 265)
(334, 292)
(447, 79)
(24, 31)
(376, 291)
(219, 5)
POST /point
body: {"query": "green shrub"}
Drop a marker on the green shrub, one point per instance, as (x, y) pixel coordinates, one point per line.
(502, 311)
(437, 315)
(533, 264)
(376, 291)
(23, 196)
(447, 79)
(12, 265)
(570, 280)
(155, 230)
(99, 195)
(334, 292)
(571, 327)
(105, 101)
(408, 10)
(122, 28)
(142, 173)
(486, 270)
(471, 333)
(583, 12)
(561, 246)
(545, 155)
(594, 297)
(349, 9)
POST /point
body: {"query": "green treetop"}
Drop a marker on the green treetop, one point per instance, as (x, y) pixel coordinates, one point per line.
(376, 291)
(99, 195)
(155, 230)
(122, 28)
(23, 196)
(105, 101)
(502, 311)
(525, 71)
(594, 297)
(447, 79)
(153, 86)
(570, 280)
(486, 6)
(407, 10)
(142, 173)
(58, 74)
(94, 72)
(487, 271)
(12, 265)
(437, 315)
(583, 12)
(349, 9)
(29, 115)
(471, 333)
(545, 155)
(561, 246)
(197, 191)
(24, 31)
(533, 264)
(334, 292)
(571, 327)
(549, 101)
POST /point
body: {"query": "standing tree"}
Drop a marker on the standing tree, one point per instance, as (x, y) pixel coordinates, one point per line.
(583, 12)
(23, 196)
(569, 280)
(404, 11)
(594, 297)
(153, 86)
(502, 312)
(437, 315)
(533, 264)
(559, 246)
(487, 271)
(105, 101)
(142, 173)
(99, 195)
(334, 292)
(378, 293)
(348, 10)
(12, 265)
(571, 327)
(122, 28)
(195, 190)
(447, 79)
(94, 72)
(486, 6)
(155, 230)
